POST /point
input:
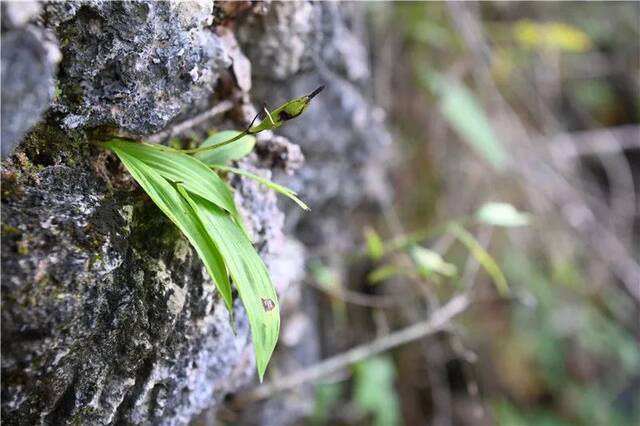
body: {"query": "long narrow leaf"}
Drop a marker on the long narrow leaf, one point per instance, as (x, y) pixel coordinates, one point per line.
(287, 192)
(481, 255)
(467, 118)
(176, 208)
(178, 167)
(249, 274)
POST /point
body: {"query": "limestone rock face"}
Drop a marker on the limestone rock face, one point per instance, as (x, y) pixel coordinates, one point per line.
(108, 316)
(134, 65)
(29, 59)
(294, 48)
(343, 136)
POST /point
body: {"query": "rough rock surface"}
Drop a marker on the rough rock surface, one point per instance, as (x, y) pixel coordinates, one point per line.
(293, 48)
(343, 136)
(108, 315)
(29, 59)
(135, 65)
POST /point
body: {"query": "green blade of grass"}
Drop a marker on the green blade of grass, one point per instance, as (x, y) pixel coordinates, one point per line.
(486, 261)
(167, 198)
(178, 167)
(249, 274)
(468, 119)
(291, 194)
(385, 272)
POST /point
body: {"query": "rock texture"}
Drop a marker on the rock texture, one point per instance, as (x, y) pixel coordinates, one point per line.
(29, 59)
(108, 315)
(295, 47)
(343, 136)
(135, 65)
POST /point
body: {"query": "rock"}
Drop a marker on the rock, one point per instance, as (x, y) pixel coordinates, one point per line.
(281, 43)
(343, 138)
(134, 65)
(342, 135)
(29, 60)
(16, 15)
(108, 315)
(277, 152)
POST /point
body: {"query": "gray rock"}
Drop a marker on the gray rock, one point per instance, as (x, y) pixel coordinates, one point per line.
(17, 14)
(134, 65)
(108, 314)
(29, 59)
(281, 43)
(342, 135)
(346, 148)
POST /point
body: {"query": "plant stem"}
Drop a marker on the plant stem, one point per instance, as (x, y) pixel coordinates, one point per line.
(413, 238)
(246, 132)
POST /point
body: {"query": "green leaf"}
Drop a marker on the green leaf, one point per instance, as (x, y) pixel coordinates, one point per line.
(375, 246)
(326, 277)
(501, 214)
(249, 274)
(557, 36)
(383, 272)
(167, 198)
(467, 118)
(326, 395)
(429, 261)
(177, 167)
(226, 153)
(374, 390)
(481, 255)
(291, 194)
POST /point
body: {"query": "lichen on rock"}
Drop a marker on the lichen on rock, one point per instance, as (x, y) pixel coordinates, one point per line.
(134, 65)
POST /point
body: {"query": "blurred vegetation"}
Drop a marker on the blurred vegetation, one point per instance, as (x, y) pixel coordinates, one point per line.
(484, 100)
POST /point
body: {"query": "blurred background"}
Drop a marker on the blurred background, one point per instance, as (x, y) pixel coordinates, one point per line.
(516, 133)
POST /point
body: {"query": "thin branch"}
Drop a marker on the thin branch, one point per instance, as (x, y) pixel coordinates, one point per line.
(437, 322)
(360, 299)
(218, 109)
(611, 140)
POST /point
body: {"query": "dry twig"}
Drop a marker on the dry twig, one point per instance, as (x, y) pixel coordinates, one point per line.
(219, 108)
(437, 322)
